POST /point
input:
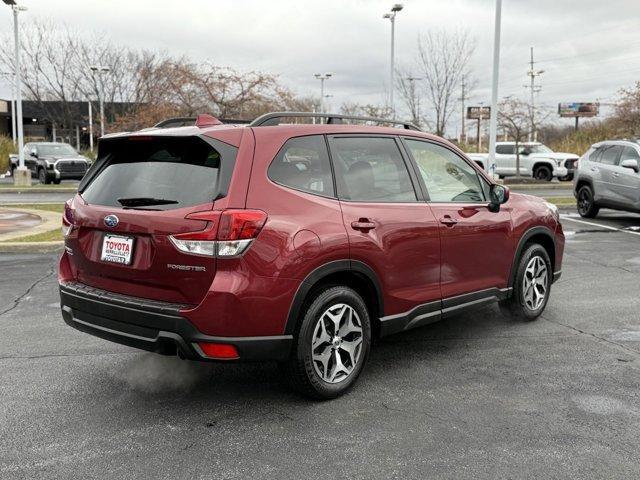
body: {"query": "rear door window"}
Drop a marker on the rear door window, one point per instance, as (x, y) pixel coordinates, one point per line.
(159, 173)
(371, 169)
(303, 164)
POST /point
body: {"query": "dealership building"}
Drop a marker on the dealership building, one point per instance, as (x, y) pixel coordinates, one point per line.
(39, 126)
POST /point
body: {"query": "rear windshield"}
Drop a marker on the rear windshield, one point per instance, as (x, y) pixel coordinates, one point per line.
(159, 173)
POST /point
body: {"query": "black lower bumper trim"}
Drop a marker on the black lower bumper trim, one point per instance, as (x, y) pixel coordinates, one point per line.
(156, 328)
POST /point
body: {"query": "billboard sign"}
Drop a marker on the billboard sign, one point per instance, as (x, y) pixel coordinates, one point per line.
(578, 109)
(478, 113)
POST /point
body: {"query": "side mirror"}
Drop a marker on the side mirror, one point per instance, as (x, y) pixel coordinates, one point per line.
(631, 163)
(34, 153)
(525, 152)
(498, 195)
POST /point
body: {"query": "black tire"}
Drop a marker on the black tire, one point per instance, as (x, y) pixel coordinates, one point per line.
(543, 173)
(517, 306)
(300, 370)
(42, 176)
(13, 171)
(587, 207)
(56, 181)
(566, 178)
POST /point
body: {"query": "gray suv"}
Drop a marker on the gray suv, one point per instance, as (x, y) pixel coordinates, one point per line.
(607, 176)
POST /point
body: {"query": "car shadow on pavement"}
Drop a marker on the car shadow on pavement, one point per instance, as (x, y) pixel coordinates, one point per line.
(147, 376)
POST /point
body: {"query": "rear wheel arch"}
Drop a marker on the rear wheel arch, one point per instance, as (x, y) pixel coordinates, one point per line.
(351, 273)
(539, 235)
(583, 182)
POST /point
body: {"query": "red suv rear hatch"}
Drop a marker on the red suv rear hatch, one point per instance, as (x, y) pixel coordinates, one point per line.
(133, 200)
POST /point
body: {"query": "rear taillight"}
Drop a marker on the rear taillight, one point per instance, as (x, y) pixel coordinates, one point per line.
(68, 219)
(228, 233)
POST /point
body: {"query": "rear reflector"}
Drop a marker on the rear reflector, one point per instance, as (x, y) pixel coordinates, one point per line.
(219, 350)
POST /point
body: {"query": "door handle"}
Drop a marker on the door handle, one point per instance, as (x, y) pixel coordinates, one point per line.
(594, 169)
(363, 225)
(448, 220)
(615, 174)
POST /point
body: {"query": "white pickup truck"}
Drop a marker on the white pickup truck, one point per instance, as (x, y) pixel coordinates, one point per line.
(536, 160)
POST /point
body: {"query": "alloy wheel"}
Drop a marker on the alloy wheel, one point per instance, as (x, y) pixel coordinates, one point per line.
(535, 283)
(584, 201)
(336, 343)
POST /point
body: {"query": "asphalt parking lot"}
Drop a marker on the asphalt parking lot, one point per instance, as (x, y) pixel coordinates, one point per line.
(477, 396)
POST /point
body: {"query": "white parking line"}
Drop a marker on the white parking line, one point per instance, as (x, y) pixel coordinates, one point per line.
(593, 224)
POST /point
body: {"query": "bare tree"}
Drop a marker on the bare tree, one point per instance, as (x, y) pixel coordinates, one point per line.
(627, 111)
(514, 118)
(141, 87)
(443, 59)
(366, 110)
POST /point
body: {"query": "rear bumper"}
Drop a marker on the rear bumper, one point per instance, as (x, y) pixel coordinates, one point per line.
(154, 326)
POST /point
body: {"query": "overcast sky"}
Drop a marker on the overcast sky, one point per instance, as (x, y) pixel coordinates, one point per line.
(588, 49)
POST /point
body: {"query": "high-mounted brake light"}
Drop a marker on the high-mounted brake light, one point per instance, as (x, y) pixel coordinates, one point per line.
(68, 219)
(227, 234)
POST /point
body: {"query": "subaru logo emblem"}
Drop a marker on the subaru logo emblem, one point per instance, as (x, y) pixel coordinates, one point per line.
(111, 221)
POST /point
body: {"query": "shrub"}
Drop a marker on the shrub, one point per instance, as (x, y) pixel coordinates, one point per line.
(6, 147)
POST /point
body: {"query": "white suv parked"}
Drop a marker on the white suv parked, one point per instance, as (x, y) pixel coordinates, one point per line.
(536, 160)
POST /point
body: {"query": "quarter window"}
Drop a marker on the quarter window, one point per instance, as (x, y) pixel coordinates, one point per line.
(371, 169)
(505, 149)
(448, 177)
(303, 164)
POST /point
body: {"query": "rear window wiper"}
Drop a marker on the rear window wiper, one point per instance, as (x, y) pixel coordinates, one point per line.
(144, 201)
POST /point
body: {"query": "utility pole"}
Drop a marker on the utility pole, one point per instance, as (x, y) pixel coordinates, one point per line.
(533, 135)
(463, 98)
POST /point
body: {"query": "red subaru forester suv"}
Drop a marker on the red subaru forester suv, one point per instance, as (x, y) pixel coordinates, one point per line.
(294, 243)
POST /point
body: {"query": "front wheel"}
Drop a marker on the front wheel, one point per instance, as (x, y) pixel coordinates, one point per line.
(332, 344)
(532, 285)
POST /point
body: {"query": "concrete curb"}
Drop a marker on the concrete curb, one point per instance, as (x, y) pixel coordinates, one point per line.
(31, 247)
(50, 221)
(540, 186)
(37, 190)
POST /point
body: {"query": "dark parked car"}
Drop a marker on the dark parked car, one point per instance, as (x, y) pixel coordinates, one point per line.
(294, 243)
(52, 162)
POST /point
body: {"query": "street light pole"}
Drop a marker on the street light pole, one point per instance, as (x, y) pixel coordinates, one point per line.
(100, 70)
(493, 124)
(392, 17)
(322, 77)
(90, 126)
(12, 82)
(23, 176)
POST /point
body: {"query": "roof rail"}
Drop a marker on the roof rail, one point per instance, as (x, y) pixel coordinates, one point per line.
(273, 118)
(192, 121)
